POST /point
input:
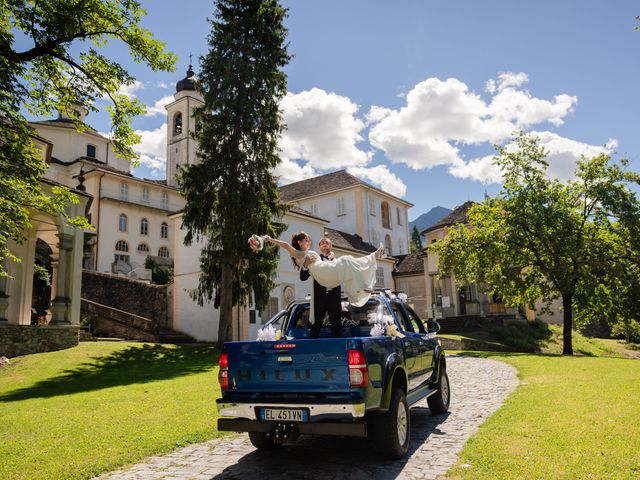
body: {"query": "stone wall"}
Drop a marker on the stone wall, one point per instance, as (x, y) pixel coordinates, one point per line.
(138, 298)
(18, 340)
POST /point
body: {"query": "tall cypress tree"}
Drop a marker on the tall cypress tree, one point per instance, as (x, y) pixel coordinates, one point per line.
(232, 192)
(416, 241)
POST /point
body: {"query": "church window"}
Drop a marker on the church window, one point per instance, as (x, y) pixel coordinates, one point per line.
(144, 227)
(165, 200)
(379, 277)
(384, 211)
(91, 151)
(163, 252)
(124, 191)
(177, 123)
(372, 206)
(143, 248)
(122, 223)
(145, 194)
(387, 245)
(164, 230)
(340, 210)
(122, 246)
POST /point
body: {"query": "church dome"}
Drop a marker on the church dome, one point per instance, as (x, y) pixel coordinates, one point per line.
(190, 82)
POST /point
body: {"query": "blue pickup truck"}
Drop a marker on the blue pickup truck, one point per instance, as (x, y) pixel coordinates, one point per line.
(358, 385)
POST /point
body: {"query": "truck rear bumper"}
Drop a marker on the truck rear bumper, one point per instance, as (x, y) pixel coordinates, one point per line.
(250, 410)
(319, 428)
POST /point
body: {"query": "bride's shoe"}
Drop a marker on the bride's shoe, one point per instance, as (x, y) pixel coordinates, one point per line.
(380, 251)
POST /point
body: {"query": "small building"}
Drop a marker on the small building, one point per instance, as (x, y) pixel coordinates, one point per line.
(445, 297)
(409, 278)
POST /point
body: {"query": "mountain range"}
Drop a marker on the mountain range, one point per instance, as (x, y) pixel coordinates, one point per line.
(427, 219)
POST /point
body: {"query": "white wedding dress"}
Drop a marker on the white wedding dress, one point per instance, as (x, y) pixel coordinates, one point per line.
(357, 275)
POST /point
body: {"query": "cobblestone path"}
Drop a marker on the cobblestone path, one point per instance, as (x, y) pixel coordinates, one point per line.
(478, 387)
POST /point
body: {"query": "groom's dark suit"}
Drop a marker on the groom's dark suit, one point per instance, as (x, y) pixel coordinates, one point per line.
(325, 301)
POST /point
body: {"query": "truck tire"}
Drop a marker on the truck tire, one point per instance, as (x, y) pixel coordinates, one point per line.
(439, 401)
(392, 428)
(261, 441)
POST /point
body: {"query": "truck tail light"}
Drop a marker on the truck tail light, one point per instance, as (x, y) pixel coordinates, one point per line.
(358, 371)
(223, 372)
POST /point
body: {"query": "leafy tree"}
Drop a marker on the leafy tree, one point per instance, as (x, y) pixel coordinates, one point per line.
(543, 239)
(416, 241)
(51, 59)
(232, 192)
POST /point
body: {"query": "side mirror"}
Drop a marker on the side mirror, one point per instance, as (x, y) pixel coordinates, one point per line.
(433, 326)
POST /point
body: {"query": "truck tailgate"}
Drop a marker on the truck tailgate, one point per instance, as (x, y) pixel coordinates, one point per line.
(301, 365)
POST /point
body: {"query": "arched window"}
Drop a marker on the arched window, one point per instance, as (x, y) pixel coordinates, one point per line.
(124, 191)
(177, 123)
(164, 230)
(387, 245)
(163, 252)
(122, 246)
(385, 213)
(143, 248)
(144, 227)
(91, 151)
(122, 223)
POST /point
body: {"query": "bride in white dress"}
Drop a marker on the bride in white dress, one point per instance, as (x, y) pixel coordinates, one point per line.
(357, 275)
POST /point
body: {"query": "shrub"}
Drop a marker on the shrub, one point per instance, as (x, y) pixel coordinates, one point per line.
(628, 329)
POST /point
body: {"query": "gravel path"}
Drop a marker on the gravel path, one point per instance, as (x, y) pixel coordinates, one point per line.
(478, 387)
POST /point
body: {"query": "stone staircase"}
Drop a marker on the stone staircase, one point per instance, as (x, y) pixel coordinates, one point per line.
(108, 321)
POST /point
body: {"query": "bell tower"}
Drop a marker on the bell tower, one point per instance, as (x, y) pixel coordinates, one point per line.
(181, 148)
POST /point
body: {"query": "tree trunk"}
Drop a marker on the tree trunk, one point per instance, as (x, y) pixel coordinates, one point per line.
(567, 301)
(226, 307)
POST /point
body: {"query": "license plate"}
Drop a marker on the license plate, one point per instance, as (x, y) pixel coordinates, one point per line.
(283, 414)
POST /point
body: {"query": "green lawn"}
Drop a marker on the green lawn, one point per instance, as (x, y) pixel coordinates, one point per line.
(571, 418)
(78, 412)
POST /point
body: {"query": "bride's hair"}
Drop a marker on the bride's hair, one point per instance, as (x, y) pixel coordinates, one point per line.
(295, 243)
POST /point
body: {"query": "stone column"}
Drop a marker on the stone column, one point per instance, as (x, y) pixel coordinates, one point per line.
(59, 305)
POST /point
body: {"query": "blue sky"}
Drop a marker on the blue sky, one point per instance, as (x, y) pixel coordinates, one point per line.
(412, 95)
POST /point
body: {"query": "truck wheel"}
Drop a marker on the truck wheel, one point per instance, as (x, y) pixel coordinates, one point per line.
(262, 442)
(439, 401)
(391, 429)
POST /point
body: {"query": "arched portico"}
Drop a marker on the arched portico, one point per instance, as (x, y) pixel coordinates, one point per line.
(64, 246)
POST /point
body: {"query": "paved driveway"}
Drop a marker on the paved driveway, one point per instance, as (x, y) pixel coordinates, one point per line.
(479, 386)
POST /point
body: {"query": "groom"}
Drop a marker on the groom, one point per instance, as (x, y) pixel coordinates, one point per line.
(325, 300)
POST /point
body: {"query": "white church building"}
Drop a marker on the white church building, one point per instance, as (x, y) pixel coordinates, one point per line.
(135, 218)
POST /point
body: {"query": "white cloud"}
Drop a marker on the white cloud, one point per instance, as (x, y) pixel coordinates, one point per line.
(440, 117)
(505, 80)
(158, 107)
(322, 130)
(381, 177)
(129, 90)
(563, 153)
(480, 169)
(153, 149)
(289, 171)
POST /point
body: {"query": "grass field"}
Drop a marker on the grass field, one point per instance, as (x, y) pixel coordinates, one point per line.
(571, 418)
(75, 413)
(542, 338)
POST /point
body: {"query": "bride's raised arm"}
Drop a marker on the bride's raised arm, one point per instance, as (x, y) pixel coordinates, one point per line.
(297, 255)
